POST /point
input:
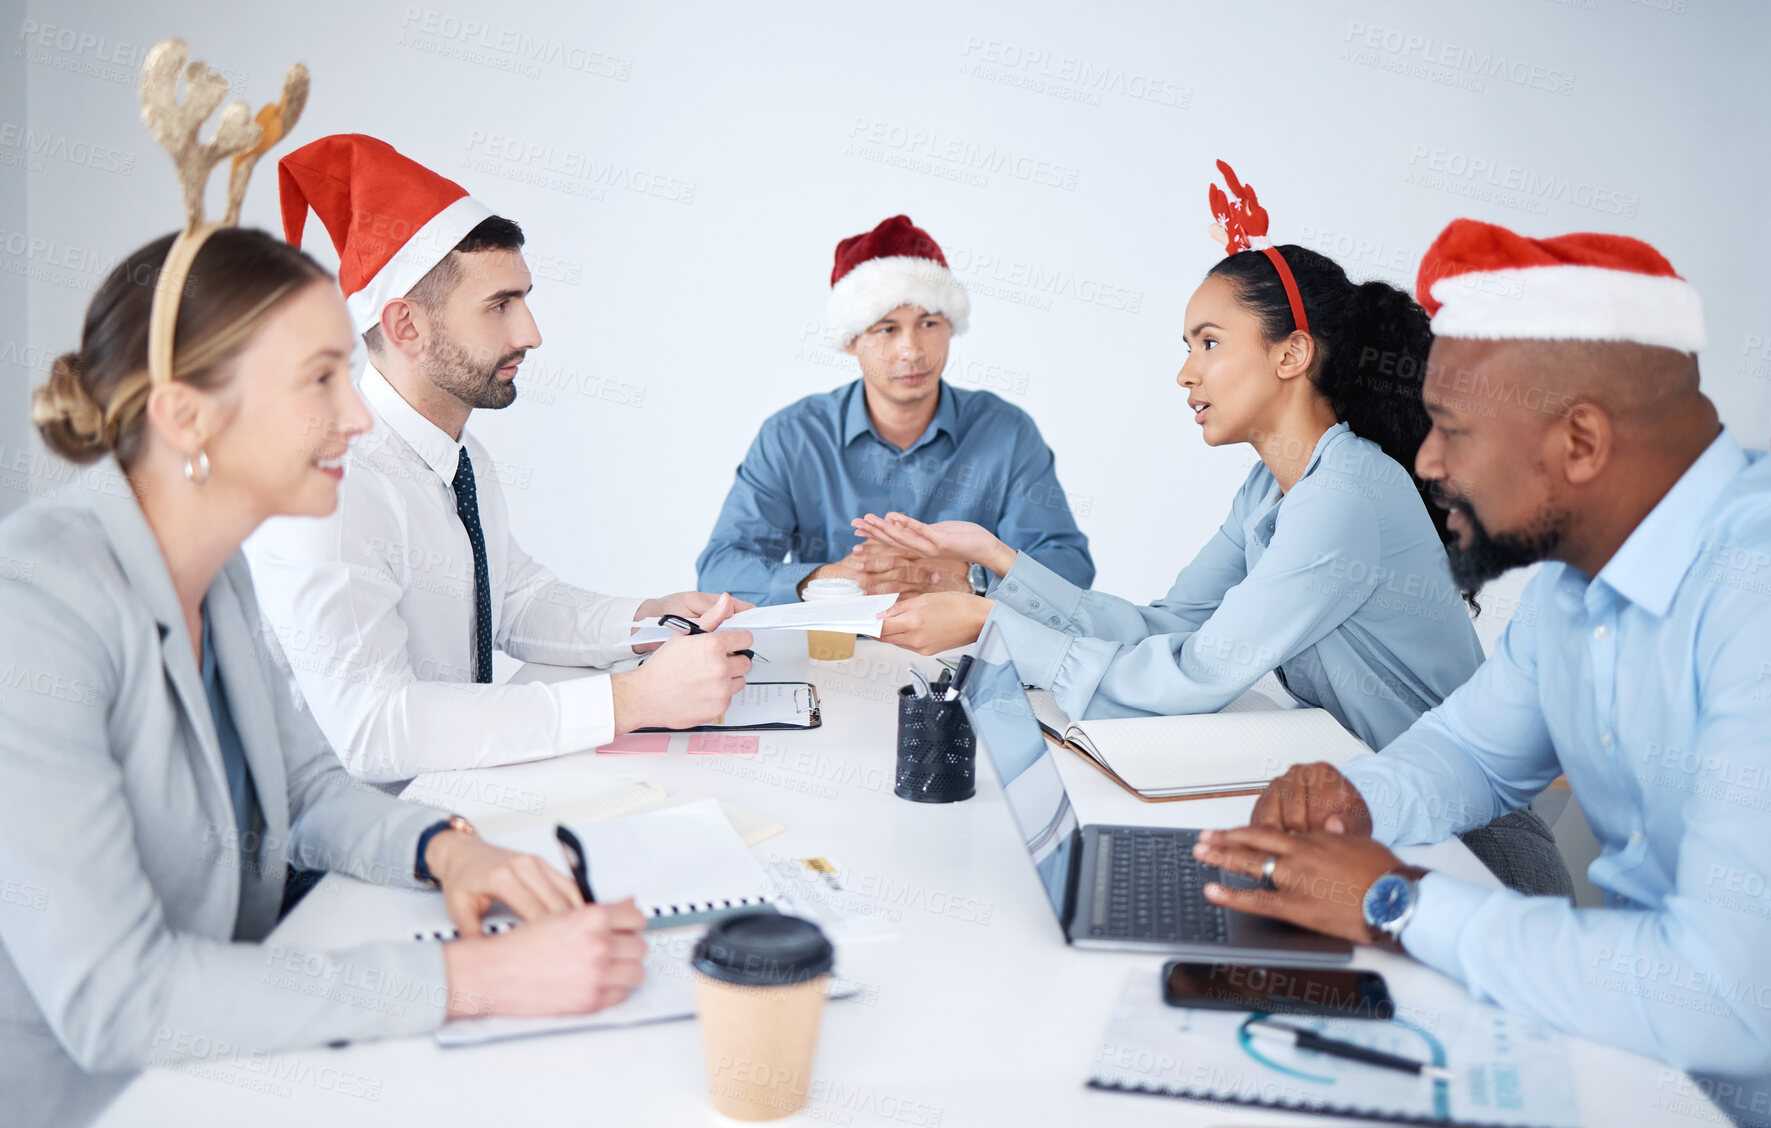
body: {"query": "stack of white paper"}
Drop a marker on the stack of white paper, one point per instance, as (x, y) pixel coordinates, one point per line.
(859, 615)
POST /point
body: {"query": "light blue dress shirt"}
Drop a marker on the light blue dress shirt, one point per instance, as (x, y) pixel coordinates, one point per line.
(1341, 584)
(1649, 686)
(820, 463)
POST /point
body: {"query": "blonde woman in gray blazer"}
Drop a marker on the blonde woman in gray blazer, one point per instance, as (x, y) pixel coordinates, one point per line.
(158, 780)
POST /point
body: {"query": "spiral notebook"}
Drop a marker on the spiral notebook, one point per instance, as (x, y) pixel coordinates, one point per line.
(1507, 1071)
(681, 865)
(667, 993)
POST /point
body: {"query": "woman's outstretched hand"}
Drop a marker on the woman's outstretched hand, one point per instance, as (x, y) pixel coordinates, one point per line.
(943, 540)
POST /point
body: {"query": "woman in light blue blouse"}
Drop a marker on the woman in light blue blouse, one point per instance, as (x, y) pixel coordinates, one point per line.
(1330, 569)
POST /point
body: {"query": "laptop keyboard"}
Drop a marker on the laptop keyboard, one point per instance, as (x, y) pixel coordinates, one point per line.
(1148, 886)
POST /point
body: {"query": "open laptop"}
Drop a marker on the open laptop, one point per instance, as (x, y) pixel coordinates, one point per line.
(1120, 887)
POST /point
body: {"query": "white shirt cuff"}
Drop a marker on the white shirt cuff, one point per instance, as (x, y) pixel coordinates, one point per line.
(623, 610)
(587, 712)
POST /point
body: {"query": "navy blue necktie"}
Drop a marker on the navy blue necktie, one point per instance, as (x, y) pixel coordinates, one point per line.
(467, 505)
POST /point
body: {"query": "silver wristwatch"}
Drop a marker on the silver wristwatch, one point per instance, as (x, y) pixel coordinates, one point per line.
(980, 577)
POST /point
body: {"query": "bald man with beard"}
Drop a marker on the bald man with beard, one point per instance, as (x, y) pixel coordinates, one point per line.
(1569, 428)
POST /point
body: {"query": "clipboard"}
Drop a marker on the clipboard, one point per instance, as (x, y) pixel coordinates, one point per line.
(783, 706)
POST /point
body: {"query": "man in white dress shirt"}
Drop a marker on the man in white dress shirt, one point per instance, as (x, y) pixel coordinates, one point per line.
(390, 608)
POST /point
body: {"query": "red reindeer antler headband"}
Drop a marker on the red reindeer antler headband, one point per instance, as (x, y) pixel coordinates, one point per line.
(1242, 226)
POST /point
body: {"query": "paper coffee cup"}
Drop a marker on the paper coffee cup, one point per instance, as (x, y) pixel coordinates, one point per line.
(830, 646)
(760, 986)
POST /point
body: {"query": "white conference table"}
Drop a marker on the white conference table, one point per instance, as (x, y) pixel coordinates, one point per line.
(975, 1013)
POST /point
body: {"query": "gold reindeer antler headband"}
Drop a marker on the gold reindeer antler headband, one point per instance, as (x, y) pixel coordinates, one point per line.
(175, 126)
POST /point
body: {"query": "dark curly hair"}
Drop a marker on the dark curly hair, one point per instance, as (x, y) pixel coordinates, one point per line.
(1372, 342)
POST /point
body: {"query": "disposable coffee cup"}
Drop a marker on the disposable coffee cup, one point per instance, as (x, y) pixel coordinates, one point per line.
(760, 982)
(830, 646)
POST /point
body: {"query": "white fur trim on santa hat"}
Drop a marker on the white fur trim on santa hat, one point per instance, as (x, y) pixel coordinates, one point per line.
(878, 286)
(428, 246)
(1570, 303)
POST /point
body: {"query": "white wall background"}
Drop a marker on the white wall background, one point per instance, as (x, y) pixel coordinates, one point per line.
(683, 172)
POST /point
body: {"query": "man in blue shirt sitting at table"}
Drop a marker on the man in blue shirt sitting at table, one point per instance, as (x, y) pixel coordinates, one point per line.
(898, 439)
(1568, 427)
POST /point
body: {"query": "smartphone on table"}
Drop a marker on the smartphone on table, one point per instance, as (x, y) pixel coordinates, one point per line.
(1338, 992)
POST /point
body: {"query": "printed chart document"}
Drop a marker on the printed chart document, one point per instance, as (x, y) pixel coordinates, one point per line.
(1506, 1070)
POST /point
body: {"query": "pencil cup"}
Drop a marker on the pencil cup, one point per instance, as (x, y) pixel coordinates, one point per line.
(830, 646)
(760, 983)
(937, 753)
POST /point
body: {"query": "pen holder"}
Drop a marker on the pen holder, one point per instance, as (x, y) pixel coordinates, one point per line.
(937, 753)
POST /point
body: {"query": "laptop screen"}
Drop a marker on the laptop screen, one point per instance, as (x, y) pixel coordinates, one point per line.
(1002, 719)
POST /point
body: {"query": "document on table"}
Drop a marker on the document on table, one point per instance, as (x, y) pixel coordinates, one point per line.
(761, 706)
(814, 888)
(1507, 1071)
(499, 799)
(859, 615)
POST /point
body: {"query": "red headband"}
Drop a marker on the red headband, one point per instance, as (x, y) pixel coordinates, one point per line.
(1242, 226)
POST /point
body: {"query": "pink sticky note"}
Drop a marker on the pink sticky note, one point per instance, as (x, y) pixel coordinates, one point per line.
(731, 743)
(638, 743)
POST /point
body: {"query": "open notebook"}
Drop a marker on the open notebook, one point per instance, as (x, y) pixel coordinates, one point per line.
(682, 865)
(1234, 751)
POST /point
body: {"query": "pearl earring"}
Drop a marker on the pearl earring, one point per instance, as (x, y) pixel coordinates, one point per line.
(197, 472)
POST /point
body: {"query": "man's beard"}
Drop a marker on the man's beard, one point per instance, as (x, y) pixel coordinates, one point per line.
(452, 368)
(1490, 554)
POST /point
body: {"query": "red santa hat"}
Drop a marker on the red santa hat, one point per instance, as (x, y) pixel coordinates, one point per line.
(1482, 281)
(895, 264)
(390, 218)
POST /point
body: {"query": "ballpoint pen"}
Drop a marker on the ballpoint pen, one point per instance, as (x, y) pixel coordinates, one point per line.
(1316, 1043)
(694, 628)
(576, 861)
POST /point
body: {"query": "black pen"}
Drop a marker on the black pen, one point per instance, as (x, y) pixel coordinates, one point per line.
(580, 865)
(959, 673)
(1316, 1043)
(694, 628)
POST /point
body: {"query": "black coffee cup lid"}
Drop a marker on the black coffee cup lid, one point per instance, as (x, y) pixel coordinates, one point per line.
(763, 949)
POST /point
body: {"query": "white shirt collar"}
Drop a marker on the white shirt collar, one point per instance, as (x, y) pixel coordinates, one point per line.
(433, 444)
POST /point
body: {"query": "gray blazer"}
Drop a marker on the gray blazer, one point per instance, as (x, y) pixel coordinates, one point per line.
(120, 866)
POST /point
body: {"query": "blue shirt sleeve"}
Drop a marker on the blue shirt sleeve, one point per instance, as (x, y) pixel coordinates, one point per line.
(1102, 657)
(1481, 753)
(1031, 588)
(1036, 517)
(1683, 981)
(747, 554)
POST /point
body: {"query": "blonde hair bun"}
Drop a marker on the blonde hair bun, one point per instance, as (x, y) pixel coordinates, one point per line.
(64, 413)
